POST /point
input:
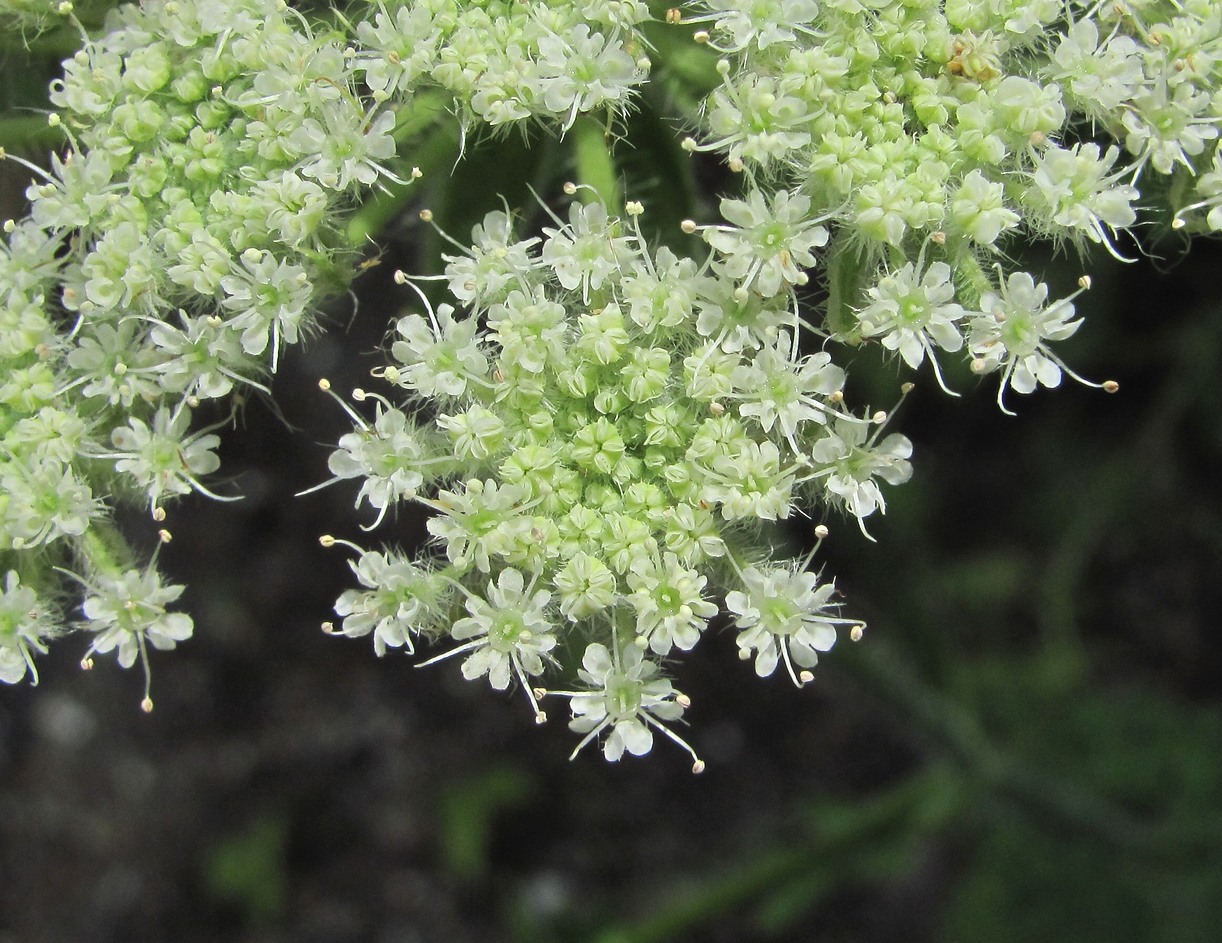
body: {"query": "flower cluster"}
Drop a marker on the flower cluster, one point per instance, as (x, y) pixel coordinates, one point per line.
(603, 431)
(196, 218)
(914, 138)
(613, 427)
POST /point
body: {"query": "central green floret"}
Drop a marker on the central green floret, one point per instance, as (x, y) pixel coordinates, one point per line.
(612, 427)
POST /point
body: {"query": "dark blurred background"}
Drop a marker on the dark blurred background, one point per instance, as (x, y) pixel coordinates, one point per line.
(1026, 745)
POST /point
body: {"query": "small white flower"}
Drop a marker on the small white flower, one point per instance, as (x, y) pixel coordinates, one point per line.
(625, 694)
(400, 598)
(127, 613)
(785, 615)
(25, 626)
(507, 634)
(440, 356)
(1011, 333)
(767, 246)
(912, 312)
(670, 608)
(849, 460)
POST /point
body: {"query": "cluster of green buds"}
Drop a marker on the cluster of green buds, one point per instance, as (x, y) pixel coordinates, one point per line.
(192, 225)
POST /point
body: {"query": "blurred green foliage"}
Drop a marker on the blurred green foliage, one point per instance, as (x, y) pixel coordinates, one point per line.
(247, 870)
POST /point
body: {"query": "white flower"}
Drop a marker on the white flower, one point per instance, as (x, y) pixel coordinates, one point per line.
(785, 615)
(776, 391)
(163, 459)
(127, 613)
(476, 522)
(494, 261)
(586, 585)
(388, 455)
(1074, 189)
(25, 626)
(625, 694)
(849, 459)
(507, 634)
(586, 252)
(1102, 79)
(767, 247)
(750, 482)
(761, 23)
(913, 311)
(582, 71)
(670, 608)
(979, 207)
(1011, 332)
(400, 598)
(440, 356)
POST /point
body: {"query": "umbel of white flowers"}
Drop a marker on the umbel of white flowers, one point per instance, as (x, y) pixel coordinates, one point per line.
(615, 426)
